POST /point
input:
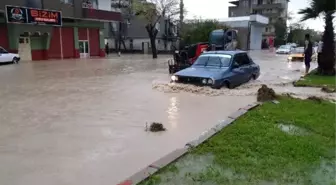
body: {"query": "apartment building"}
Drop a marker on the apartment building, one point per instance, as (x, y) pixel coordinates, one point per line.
(45, 29)
(273, 9)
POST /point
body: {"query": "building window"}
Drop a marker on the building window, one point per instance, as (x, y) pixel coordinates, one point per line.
(33, 3)
(67, 1)
(90, 4)
(244, 3)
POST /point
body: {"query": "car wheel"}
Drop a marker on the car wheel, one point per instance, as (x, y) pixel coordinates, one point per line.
(253, 77)
(15, 60)
(228, 85)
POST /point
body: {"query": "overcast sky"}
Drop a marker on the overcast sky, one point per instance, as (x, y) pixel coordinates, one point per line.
(216, 9)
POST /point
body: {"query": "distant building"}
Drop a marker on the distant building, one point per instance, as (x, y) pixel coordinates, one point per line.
(273, 9)
(134, 36)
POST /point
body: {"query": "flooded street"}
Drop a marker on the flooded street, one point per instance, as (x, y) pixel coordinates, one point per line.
(82, 122)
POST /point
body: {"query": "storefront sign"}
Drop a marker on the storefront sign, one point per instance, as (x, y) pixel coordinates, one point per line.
(16, 14)
(33, 16)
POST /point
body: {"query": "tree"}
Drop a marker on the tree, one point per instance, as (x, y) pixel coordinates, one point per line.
(297, 31)
(280, 27)
(153, 11)
(199, 30)
(327, 9)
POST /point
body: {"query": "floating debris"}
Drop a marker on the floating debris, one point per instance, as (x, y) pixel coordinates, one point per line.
(266, 94)
(314, 98)
(275, 102)
(328, 90)
(155, 127)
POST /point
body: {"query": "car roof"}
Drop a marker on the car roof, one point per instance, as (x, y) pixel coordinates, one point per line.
(233, 52)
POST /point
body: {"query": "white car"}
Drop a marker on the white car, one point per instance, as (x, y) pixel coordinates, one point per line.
(284, 49)
(6, 57)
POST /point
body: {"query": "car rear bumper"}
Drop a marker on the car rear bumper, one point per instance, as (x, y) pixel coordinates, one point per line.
(293, 59)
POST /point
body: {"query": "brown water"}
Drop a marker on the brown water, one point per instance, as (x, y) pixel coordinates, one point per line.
(82, 121)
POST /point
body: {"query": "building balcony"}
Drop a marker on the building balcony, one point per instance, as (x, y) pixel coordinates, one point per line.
(101, 15)
(268, 6)
(234, 2)
(271, 14)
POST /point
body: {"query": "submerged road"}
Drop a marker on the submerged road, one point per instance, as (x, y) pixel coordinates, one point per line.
(82, 122)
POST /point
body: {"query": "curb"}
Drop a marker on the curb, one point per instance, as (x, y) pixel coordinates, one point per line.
(176, 154)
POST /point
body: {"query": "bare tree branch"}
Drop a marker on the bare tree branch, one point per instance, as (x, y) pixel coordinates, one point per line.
(153, 11)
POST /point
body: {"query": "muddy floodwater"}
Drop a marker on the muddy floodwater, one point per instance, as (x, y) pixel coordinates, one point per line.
(82, 122)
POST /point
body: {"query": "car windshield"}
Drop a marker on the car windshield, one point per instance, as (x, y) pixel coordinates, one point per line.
(284, 47)
(2, 50)
(213, 60)
(298, 50)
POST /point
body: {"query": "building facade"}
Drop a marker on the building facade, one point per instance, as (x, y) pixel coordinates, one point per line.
(273, 9)
(131, 33)
(136, 39)
(47, 29)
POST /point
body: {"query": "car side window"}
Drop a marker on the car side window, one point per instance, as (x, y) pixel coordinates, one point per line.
(245, 59)
(2, 50)
(234, 35)
(251, 61)
(237, 60)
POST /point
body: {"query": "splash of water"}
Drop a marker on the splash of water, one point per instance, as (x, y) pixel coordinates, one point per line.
(248, 89)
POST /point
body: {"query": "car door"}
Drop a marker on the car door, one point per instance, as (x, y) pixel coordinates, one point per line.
(247, 66)
(239, 75)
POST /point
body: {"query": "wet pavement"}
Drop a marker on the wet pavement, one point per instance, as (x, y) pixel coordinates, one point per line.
(83, 121)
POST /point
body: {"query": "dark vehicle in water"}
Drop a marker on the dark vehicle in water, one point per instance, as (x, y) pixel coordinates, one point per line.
(221, 39)
(219, 68)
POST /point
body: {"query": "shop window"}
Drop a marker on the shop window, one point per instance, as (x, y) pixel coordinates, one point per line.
(90, 4)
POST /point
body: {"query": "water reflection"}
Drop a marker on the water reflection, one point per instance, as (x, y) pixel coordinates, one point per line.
(173, 111)
(303, 66)
(289, 65)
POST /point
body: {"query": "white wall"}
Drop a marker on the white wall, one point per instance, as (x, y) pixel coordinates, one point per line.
(236, 24)
(256, 37)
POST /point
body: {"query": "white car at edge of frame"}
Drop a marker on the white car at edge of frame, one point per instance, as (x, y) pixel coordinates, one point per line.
(6, 57)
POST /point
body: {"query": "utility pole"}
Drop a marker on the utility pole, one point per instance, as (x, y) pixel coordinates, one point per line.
(119, 32)
(181, 22)
(181, 14)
